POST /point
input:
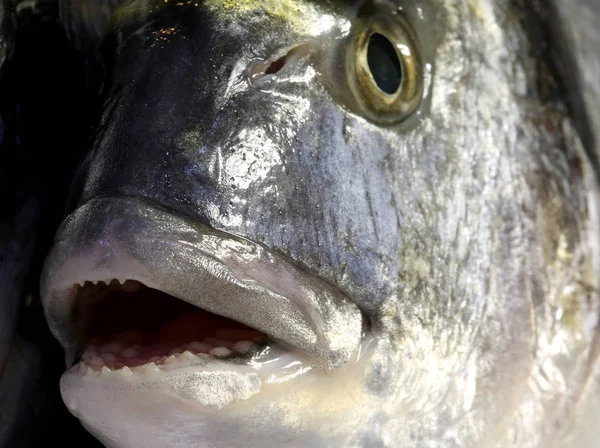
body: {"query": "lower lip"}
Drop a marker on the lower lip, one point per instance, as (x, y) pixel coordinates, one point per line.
(203, 380)
(139, 338)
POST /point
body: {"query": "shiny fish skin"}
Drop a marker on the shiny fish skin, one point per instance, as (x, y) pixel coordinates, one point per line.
(467, 235)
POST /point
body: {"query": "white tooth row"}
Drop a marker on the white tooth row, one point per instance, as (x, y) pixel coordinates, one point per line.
(113, 281)
(149, 369)
(211, 346)
(91, 359)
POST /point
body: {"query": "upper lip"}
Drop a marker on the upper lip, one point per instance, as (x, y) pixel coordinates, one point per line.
(124, 238)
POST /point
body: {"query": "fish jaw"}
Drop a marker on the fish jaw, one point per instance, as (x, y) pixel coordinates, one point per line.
(315, 408)
(124, 239)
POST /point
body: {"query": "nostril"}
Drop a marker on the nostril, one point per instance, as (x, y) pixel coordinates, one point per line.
(274, 67)
(261, 68)
(258, 69)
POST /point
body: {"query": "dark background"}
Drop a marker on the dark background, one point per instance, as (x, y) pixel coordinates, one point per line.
(47, 104)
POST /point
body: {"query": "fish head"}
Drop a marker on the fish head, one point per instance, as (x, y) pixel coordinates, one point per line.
(377, 213)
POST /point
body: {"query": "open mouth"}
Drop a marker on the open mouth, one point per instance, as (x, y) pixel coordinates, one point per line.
(130, 325)
(132, 288)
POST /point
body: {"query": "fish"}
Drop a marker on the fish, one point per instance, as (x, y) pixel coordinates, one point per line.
(301, 223)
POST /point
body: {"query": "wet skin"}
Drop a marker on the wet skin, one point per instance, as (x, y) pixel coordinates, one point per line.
(425, 258)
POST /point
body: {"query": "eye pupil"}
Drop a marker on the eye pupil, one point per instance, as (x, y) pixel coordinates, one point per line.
(384, 64)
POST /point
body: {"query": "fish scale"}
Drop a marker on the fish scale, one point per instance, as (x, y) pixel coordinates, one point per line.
(420, 263)
(440, 220)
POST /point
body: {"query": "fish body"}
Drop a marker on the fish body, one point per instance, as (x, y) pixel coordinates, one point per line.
(410, 237)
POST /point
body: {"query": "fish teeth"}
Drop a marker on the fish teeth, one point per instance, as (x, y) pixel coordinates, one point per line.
(243, 346)
(125, 371)
(170, 359)
(105, 371)
(220, 351)
(188, 355)
(151, 369)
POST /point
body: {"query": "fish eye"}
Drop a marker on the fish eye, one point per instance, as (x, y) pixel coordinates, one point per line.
(384, 64)
(384, 68)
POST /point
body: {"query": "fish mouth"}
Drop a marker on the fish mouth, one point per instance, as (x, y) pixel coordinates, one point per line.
(131, 287)
(113, 333)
